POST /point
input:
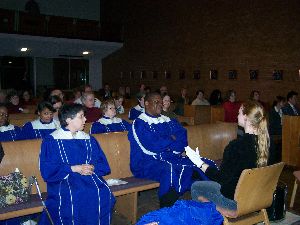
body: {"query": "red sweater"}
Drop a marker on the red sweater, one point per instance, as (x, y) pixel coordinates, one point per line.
(231, 111)
(92, 114)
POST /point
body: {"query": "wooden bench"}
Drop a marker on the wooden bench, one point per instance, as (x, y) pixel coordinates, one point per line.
(25, 155)
(204, 114)
(210, 138)
(291, 140)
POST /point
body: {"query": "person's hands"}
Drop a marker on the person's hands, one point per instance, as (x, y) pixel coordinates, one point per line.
(84, 169)
(194, 156)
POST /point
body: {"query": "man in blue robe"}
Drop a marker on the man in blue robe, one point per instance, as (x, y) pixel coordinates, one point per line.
(156, 144)
(8, 132)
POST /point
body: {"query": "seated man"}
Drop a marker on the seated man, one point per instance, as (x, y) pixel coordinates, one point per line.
(156, 144)
(291, 108)
(8, 132)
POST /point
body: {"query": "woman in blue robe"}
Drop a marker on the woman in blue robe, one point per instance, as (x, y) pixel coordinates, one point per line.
(72, 163)
(42, 126)
(109, 122)
(156, 143)
(8, 132)
(138, 109)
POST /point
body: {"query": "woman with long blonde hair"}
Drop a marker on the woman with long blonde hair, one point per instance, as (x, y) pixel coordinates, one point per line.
(252, 150)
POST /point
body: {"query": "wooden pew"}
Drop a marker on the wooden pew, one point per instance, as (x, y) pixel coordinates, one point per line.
(291, 140)
(25, 155)
(204, 114)
(129, 103)
(21, 118)
(211, 139)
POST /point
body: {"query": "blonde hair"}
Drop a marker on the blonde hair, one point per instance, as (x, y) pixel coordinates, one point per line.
(106, 103)
(255, 112)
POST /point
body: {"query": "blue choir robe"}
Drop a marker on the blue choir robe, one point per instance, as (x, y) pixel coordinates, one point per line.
(10, 133)
(106, 125)
(135, 112)
(185, 212)
(38, 129)
(156, 145)
(74, 198)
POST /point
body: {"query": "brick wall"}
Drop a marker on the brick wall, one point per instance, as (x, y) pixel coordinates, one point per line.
(208, 34)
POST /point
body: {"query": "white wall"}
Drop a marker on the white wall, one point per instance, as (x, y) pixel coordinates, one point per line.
(84, 9)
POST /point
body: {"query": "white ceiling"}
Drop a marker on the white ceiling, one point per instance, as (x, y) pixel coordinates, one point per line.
(50, 47)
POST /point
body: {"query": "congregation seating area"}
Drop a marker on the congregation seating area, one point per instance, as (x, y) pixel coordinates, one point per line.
(24, 155)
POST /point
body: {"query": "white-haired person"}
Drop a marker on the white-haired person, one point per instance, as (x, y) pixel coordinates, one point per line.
(109, 122)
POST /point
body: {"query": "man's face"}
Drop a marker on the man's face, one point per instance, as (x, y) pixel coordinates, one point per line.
(154, 105)
(3, 116)
(293, 100)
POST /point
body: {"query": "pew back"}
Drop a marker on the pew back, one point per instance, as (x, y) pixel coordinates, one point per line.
(291, 140)
(117, 150)
(211, 139)
(204, 114)
(23, 155)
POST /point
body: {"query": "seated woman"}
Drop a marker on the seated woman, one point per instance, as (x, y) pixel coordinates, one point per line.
(231, 107)
(200, 100)
(138, 109)
(92, 113)
(249, 151)
(8, 132)
(119, 104)
(14, 105)
(275, 116)
(166, 103)
(72, 163)
(109, 123)
(42, 126)
(215, 97)
(56, 103)
(26, 98)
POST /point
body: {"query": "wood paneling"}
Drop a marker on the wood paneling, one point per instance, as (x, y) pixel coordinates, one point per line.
(205, 35)
(291, 140)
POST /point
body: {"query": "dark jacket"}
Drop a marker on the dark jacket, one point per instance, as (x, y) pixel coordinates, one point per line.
(238, 155)
(275, 127)
(288, 110)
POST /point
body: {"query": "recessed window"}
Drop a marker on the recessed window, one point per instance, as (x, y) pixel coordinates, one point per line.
(232, 74)
(253, 74)
(278, 75)
(213, 74)
(196, 74)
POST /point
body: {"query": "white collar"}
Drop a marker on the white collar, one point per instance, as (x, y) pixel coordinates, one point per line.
(156, 120)
(139, 108)
(67, 135)
(106, 121)
(293, 107)
(7, 128)
(36, 124)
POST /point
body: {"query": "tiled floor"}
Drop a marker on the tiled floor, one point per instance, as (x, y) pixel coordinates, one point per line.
(148, 200)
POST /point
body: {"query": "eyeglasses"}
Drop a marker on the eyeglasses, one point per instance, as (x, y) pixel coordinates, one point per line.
(3, 115)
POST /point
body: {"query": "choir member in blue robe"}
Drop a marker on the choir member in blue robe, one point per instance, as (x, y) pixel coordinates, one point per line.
(108, 122)
(138, 109)
(156, 143)
(8, 132)
(73, 164)
(42, 126)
